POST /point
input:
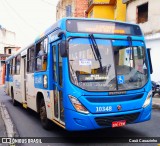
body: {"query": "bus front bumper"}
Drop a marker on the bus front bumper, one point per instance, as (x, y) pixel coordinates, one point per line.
(75, 121)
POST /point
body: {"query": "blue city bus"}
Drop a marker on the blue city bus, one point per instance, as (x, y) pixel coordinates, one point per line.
(84, 74)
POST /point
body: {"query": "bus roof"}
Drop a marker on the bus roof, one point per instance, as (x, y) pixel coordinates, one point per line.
(61, 24)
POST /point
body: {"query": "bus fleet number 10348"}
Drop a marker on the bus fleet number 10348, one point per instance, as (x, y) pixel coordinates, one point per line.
(103, 108)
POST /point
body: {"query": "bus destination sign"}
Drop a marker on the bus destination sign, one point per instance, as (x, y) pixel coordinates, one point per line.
(104, 27)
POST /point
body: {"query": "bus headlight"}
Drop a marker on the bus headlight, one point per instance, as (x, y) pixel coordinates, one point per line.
(45, 81)
(148, 99)
(77, 105)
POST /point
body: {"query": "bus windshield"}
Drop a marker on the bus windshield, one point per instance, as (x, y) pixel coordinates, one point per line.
(118, 66)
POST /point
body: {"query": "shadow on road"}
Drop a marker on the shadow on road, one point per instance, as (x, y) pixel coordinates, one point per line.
(108, 135)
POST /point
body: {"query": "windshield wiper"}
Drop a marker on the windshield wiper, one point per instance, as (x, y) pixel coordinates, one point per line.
(131, 51)
(95, 51)
(130, 47)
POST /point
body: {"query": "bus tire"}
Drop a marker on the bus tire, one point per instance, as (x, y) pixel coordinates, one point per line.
(14, 102)
(46, 123)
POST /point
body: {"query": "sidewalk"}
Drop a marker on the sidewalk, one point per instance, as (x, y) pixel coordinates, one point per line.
(6, 124)
(156, 102)
(3, 132)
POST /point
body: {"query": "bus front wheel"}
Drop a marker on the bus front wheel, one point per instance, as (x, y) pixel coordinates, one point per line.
(46, 123)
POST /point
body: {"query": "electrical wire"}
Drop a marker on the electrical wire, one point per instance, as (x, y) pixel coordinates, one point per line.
(11, 15)
(20, 17)
(51, 4)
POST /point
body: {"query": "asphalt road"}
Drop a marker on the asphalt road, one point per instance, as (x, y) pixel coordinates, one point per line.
(28, 125)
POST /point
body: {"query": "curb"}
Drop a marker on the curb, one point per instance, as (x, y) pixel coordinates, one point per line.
(7, 121)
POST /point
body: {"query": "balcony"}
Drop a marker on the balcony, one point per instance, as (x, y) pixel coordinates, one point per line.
(100, 2)
(92, 3)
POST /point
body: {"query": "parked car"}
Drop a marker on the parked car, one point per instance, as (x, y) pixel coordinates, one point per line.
(155, 88)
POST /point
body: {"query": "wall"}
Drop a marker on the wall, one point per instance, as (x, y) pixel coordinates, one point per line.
(151, 30)
(78, 8)
(153, 15)
(61, 8)
(2, 74)
(120, 11)
(104, 11)
(7, 38)
(155, 53)
(108, 9)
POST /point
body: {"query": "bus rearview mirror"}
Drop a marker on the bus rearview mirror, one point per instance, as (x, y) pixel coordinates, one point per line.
(63, 46)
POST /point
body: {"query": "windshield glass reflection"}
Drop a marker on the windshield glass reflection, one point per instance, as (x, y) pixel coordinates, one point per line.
(119, 67)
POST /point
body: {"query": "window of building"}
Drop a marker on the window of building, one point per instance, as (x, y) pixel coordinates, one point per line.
(41, 55)
(68, 11)
(9, 51)
(142, 13)
(30, 60)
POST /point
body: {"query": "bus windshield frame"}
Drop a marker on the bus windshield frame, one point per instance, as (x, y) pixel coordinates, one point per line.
(127, 71)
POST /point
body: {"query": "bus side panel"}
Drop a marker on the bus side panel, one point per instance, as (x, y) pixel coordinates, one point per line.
(17, 88)
(49, 101)
(6, 87)
(48, 98)
(30, 92)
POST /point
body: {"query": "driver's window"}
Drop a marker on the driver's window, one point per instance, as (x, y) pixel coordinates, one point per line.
(41, 55)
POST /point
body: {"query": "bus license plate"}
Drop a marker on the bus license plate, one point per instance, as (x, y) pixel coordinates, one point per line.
(118, 123)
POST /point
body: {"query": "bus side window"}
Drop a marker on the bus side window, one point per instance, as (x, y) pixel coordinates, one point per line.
(41, 55)
(54, 64)
(17, 64)
(13, 67)
(10, 66)
(60, 68)
(30, 60)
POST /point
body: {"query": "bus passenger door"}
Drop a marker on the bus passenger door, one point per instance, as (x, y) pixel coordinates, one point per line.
(24, 99)
(57, 81)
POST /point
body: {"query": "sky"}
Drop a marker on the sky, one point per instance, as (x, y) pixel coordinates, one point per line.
(27, 18)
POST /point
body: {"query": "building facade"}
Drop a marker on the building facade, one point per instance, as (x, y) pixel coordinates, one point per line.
(7, 48)
(71, 8)
(7, 39)
(146, 13)
(107, 9)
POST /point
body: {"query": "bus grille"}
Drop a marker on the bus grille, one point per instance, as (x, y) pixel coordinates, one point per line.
(114, 98)
(107, 121)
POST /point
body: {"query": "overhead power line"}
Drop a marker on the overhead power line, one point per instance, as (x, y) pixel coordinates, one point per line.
(16, 23)
(20, 17)
(51, 4)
